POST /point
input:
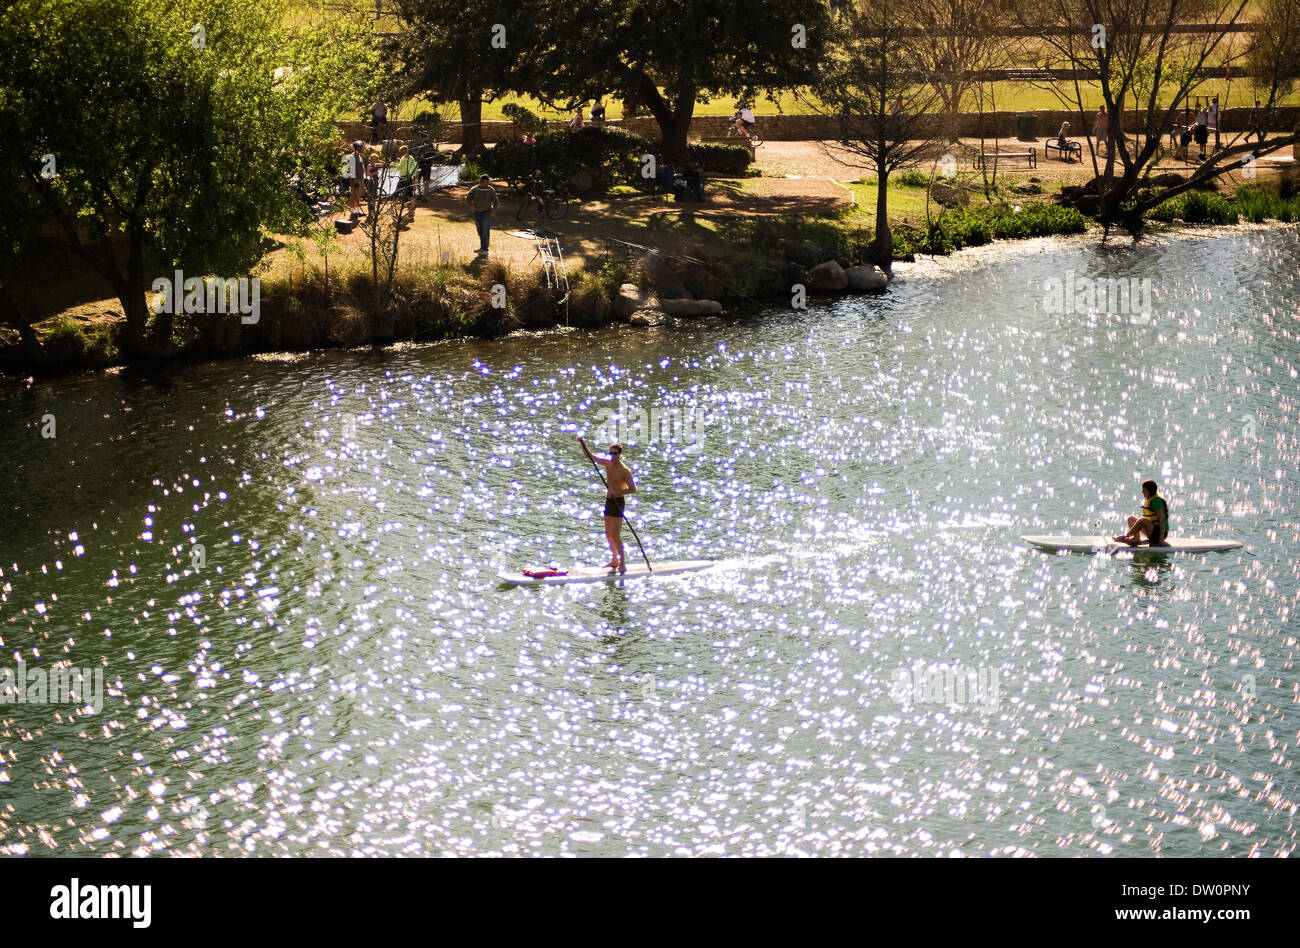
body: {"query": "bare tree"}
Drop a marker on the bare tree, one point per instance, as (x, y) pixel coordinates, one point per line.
(872, 81)
(964, 40)
(1142, 53)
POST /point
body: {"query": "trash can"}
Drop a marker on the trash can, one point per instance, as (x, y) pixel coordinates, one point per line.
(1027, 128)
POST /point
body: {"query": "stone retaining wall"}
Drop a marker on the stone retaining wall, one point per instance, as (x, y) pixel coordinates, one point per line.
(822, 127)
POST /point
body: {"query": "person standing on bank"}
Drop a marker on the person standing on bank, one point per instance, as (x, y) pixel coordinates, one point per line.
(618, 484)
(1101, 131)
(1214, 120)
(483, 199)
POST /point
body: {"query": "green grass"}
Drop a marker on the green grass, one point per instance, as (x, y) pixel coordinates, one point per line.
(906, 201)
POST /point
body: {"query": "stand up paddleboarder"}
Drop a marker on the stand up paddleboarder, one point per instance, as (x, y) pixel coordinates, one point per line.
(618, 483)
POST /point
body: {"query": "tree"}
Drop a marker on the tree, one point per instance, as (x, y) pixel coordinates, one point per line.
(461, 51)
(873, 81)
(1142, 53)
(174, 126)
(666, 55)
(964, 40)
(1273, 59)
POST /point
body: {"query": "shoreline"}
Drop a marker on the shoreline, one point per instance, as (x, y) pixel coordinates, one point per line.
(737, 307)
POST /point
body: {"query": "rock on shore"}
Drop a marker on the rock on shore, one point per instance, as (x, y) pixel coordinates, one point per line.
(866, 279)
(828, 277)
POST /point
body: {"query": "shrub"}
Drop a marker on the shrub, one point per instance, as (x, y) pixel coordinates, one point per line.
(610, 155)
(430, 122)
(524, 120)
(1195, 207)
(719, 157)
(471, 170)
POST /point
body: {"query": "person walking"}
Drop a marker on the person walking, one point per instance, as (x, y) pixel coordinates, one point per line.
(1214, 120)
(1101, 130)
(355, 168)
(1202, 129)
(1256, 122)
(483, 199)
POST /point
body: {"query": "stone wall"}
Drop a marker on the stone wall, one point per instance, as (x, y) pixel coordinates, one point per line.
(822, 127)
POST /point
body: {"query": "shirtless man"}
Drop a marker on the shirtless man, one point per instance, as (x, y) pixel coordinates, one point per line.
(1153, 526)
(618, 483)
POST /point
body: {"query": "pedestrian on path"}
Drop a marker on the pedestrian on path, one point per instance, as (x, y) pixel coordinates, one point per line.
(483, 199)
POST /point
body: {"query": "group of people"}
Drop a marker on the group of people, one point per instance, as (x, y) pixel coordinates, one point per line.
(597, 115)
(1196, 126)
(363, 170)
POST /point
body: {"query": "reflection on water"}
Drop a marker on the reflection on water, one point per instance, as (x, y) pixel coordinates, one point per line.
(876, 666)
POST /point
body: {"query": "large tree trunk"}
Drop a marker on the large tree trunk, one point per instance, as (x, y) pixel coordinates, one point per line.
(883, 247)
(674, 119)
(471, 123)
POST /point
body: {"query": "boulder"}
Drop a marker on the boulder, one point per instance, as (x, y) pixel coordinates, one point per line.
(866, 279)
(691, 307)
(828, 277)
(666, 282)
(1168, 179)
(627, 301)
(802, 252)
(948, 195)
(650, 318)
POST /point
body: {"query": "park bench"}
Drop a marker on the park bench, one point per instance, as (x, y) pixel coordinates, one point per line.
(1063, 150)
(1031, 156)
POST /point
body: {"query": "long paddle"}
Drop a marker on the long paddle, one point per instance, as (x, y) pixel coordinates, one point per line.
(648, 567)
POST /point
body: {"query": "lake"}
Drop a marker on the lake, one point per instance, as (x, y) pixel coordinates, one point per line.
(876, 665)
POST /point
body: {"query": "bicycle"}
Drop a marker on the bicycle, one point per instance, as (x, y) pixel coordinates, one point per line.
(750, 136)
(553, 201)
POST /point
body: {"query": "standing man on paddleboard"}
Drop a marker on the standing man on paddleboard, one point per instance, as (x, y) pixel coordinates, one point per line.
(1153, 525)
(618, 483)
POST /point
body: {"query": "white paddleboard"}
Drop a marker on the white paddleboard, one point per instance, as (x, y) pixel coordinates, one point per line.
(1084, 544)
(593, 574)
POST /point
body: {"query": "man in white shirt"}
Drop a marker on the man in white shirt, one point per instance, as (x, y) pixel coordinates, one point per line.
(1214, 120)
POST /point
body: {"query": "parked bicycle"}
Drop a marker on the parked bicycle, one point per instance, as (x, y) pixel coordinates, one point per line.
(552, 201)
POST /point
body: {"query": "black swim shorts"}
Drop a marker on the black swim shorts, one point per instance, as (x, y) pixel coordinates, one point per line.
(614, 506)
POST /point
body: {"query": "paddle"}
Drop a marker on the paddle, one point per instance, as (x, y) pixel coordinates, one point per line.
(625, 520)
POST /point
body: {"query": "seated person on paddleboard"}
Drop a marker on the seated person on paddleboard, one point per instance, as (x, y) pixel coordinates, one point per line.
(1153, 526)
(618, 482)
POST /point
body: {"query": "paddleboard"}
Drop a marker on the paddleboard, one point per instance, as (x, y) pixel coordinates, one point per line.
(593, 574)
(1098, 544)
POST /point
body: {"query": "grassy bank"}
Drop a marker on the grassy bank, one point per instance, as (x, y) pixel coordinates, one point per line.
(739, 260)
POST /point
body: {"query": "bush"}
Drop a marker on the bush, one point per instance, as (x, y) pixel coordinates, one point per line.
(471, 170)
(610, 155)
(430, 122)
(524, 120)
(718, 157)
(1258, 204)
(1195, 207)
(972, 227)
